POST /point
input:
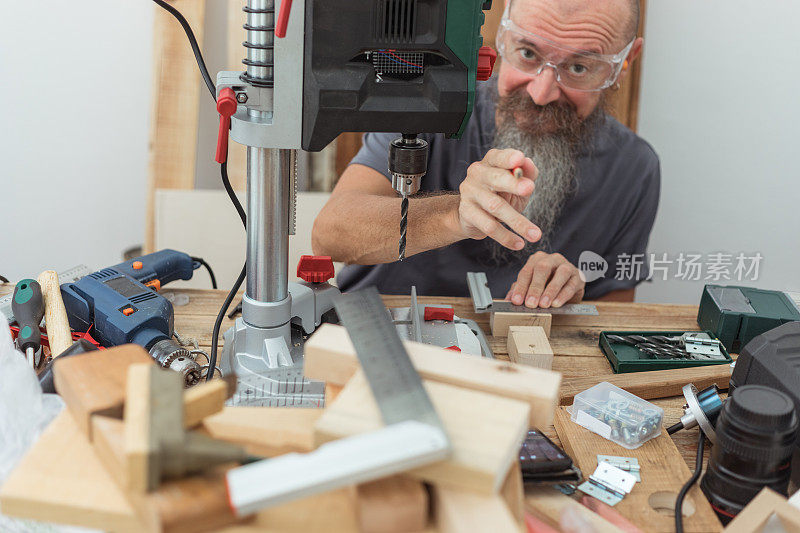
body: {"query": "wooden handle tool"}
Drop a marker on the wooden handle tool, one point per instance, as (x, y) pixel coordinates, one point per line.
(55, 314)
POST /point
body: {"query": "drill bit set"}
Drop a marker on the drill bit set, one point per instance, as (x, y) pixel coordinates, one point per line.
(639, 351)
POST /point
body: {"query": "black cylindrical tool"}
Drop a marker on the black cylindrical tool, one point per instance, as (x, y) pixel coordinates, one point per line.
(755, 438)
(408, 162)
(27, 305)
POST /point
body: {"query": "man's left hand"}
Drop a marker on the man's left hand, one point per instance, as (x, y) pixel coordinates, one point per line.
(547, 280)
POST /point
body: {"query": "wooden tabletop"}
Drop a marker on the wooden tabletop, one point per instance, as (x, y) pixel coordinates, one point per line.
(574, 340)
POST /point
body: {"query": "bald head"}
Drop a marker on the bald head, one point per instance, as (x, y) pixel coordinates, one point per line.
(611, 23)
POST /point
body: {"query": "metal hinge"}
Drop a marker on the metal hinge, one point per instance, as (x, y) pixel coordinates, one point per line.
(608, 484)
(628, 464)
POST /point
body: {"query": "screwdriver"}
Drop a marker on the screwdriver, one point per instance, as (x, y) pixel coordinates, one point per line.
(28, 308)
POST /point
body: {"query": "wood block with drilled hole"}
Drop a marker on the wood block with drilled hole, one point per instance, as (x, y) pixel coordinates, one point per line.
(663, 474)
(267, 431)
(548, 505)
(330, 357)
(395, 504)
(94, 382)
(458, 510)
(485, 431)
(500, 322)
(528, 345)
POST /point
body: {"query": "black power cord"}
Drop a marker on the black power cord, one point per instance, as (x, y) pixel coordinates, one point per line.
(685, 489)
(201, 64)
(3, 279)
(201, 262)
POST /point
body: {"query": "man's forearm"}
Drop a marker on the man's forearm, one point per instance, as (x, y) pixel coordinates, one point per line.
(361, 228)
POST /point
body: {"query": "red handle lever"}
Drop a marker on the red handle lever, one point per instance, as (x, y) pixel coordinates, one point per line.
(226, 106)
(283, 18)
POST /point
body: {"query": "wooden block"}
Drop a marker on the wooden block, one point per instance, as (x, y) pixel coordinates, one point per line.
(663, 474)
(330, 356)
(485, 431)
(548, 505)
(458, 510)
(150, 424)
(500, 322)
(267, 431)
(205, 399)
(59, 336)
(754, 517)
(94, 382)
(395, 504)
(62, 480)
(528, 345)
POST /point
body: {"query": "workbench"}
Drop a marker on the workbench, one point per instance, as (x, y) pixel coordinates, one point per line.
(573, 338)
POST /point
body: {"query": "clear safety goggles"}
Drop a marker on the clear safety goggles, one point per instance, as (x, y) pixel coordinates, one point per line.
(575, 69)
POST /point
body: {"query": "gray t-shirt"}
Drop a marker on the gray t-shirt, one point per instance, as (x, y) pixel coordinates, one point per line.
(611, 213)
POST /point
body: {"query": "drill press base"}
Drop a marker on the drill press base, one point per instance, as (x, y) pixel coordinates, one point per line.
(268, 362)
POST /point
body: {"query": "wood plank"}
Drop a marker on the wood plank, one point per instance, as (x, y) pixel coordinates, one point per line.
(654, 384)
(513, 492)
(485, 431)
(528, 345)
(94, 382)
(267, 431)
(395, 504)
(330, 356)
(662, 472)
(61, 480)
(176, 97)
(500, 322)
(205, 399)
(458, 510)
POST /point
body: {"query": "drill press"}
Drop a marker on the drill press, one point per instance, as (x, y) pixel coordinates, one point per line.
(315, 69)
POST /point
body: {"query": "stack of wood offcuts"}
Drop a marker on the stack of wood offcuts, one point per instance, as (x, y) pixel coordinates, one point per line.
(95, 465)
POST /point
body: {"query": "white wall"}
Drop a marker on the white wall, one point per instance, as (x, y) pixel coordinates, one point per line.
(720, 105)
(75, 97)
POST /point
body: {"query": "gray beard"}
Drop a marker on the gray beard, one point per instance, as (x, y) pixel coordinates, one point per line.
(556, 159)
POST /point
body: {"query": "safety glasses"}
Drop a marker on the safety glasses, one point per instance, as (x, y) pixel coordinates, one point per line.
(575, 69)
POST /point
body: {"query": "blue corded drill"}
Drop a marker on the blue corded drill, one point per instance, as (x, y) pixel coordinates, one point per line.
(120, 305)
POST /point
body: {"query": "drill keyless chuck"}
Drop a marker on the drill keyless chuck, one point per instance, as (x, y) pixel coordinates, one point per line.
(408, 162)
(168, 354)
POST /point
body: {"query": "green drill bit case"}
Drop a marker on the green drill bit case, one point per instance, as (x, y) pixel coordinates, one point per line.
(625, 359)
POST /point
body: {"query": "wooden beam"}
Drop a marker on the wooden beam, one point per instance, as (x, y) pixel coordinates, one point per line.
(331, 357)
(549, 505)
(458, 510)
(528, 345)
(175, 112)
(485, 431)
(663, 472)
(500, 322)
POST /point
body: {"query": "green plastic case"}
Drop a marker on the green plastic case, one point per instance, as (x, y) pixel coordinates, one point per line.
(625, 359)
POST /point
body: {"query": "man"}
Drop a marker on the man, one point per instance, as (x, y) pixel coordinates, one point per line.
(597, 183)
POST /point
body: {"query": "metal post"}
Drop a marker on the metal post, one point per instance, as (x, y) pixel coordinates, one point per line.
(269, 175)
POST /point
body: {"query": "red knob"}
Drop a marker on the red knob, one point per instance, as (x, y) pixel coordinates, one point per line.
(486, 58)
(315, 268)
(226, 106)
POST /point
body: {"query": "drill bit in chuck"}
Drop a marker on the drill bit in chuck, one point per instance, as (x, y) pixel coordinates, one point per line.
(408, 162)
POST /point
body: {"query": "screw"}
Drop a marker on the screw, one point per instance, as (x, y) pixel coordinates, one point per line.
(241, 97)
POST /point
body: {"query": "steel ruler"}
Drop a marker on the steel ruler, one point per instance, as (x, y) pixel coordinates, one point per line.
(394, 381)
(67, 276)
(483, 303)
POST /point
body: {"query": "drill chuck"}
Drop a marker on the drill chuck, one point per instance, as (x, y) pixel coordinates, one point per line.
(168, 354)
(408, 162)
